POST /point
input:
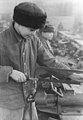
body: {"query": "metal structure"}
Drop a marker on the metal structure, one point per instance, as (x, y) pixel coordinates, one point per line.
(56, 98)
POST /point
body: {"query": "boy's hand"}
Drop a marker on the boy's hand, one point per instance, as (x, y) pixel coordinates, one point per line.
(18, 76)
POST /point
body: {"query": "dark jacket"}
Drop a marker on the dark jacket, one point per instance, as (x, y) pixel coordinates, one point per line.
(15, 53)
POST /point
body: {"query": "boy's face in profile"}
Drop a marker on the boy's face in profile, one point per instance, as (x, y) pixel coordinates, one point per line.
(47, 35)
(25, 31)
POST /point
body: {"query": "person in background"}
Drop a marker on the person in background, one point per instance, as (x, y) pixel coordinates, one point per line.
(46, 36)
(20, 50)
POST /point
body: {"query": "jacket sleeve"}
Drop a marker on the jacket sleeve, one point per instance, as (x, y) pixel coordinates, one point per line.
(45, 58)
(5, 72)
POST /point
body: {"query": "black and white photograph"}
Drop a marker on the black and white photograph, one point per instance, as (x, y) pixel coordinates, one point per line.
(41, 60)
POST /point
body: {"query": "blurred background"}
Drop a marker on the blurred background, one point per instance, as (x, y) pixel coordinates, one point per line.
(67, 13)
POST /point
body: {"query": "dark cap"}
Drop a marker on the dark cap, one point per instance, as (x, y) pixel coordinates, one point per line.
(29, 15)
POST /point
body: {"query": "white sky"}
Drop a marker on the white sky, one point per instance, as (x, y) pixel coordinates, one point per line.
(8, 5)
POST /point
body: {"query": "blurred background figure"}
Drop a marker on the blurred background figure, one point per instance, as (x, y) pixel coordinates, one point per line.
(46, 36)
